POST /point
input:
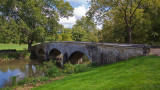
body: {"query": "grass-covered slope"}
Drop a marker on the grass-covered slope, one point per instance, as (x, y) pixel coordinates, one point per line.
(141, 73)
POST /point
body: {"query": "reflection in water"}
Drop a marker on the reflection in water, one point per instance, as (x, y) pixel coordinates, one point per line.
(20, 68)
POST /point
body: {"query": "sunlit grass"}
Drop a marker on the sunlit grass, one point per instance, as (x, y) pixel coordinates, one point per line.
(13, 46)
(142, 73)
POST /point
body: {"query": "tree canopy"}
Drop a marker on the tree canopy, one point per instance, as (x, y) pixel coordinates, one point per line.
(130, 19)
(123, 21)
(35, 18)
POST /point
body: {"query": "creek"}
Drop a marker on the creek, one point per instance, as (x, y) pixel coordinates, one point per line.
(19, 68)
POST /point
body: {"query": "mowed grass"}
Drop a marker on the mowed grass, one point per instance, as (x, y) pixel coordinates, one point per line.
(141, 73)
(13, 46)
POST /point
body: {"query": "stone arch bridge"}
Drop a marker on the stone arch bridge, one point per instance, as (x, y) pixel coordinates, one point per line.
(101, 53)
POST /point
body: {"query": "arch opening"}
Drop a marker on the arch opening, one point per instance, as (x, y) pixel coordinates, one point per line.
(78, 58)
(56, 55)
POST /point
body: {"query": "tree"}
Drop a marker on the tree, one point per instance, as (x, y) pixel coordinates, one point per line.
(152, 9)
(125, 9)
(78, 34)
(36, 18)
(85, 30)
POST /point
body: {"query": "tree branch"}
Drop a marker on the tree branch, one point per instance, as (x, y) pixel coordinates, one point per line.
(135, 9)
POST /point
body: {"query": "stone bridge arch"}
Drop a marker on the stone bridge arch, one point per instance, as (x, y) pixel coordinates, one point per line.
(77, 57)
(56, 54)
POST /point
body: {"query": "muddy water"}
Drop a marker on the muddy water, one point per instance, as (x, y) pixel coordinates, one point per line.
(19, 68)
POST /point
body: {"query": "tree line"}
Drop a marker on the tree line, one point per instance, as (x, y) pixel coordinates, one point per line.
(123, 21)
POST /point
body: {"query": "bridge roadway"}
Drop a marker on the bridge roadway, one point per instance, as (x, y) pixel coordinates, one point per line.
(101, 53)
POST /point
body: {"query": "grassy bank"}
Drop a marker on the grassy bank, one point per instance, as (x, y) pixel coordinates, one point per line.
(138, 73)
(13, 46)
(21, 51)
(14, 55)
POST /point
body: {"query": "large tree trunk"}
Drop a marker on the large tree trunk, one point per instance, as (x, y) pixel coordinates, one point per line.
(30, 42)
(130, 35)
(29, 47)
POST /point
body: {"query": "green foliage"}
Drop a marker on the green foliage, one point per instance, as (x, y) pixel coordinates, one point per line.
(6, 88)
(85, 30)
(52, 72)
(6, 31)
(14, 55)
(79, 34)
(31, 20)
(14, 81)
(81, 68)
(76, 68)
(13, 46)
(68, 68)
(50, 69)
(127, 21)
(32, 80)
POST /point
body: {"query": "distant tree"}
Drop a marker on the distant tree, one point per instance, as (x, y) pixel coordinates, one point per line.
(36, 18)
(87, 30)
(79, 34)
(119, 9)
(152, 9)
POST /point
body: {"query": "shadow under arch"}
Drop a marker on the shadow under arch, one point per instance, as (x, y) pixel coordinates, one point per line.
(78, 57)
(55, 54)
(33, 55)
(41, 52)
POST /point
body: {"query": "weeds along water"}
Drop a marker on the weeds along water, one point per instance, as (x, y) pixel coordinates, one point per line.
(50, 71)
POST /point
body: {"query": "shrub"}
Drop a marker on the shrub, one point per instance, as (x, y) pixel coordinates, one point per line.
(14, 81)
(52, 72)
(50, 69)
(81, 67)
(68, 68)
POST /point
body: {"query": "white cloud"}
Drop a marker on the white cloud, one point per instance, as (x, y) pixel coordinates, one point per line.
(78, 13)
(68, 23)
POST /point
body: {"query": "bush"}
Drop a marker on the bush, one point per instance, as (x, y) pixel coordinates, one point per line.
(81, 67)
(52, 72)
(68, 68)
(50, 69)
(14, 81)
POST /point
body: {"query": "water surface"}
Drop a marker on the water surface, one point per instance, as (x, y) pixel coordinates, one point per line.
(19, 68)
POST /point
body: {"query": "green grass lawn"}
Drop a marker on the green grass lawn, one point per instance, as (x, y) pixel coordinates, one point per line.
(13, 46)
(142, 73)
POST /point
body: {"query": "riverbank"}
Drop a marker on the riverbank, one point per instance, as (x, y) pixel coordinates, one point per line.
(13, 46)
(50, 73)
(9, 56)
(20, 52)
(135, 74)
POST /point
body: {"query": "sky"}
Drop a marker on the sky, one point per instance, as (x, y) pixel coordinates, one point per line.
(80, 8)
